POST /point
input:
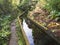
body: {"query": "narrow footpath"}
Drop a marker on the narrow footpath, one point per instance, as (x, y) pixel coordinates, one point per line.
(14, 37)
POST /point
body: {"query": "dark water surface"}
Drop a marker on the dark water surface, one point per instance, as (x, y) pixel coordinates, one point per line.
(35, 35)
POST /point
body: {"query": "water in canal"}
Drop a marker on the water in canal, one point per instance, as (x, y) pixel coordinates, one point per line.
(28, 32)
(35, 35)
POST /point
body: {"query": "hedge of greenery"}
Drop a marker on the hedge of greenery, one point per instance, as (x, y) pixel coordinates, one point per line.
(4, 29)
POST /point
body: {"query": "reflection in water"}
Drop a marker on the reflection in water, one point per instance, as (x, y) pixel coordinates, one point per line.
(39, 37)
(28, 32)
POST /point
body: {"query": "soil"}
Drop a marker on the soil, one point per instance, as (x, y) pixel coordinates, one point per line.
(14, 38)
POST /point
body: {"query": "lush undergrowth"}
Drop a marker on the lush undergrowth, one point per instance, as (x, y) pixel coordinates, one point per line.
(4, 29)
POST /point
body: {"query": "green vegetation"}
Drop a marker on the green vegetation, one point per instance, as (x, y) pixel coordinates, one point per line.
(6, 7)
(4, 37)
(53, 6)
(27, 5)
(4, 29)
(10, 10)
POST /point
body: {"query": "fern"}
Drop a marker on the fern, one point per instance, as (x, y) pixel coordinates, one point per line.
(53, 6)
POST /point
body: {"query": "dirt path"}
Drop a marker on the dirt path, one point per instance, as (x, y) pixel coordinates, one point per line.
(13, 39)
